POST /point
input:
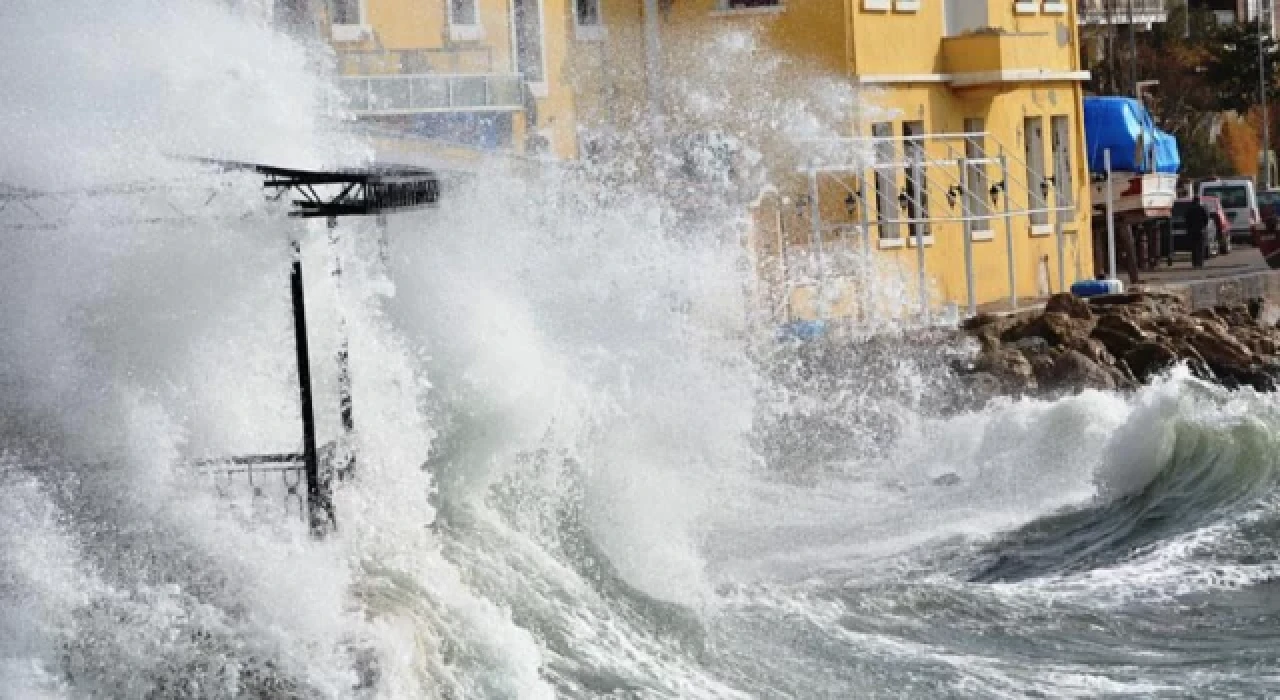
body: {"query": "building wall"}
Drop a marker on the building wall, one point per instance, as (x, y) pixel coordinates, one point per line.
(418, 24)
(903, 61)
(944, 111)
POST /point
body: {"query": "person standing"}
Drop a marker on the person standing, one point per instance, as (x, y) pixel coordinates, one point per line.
(1197, 219)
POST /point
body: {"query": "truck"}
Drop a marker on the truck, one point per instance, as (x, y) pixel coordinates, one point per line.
(1134, 166)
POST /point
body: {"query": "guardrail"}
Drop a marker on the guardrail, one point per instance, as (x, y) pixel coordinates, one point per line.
(476, 59)
(378, 95)
(1118, 11)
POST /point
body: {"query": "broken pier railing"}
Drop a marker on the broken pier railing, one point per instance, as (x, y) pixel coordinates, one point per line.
(306, 476)
(372, 191)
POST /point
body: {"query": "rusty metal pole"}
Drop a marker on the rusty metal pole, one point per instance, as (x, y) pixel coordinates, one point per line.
(319, 502)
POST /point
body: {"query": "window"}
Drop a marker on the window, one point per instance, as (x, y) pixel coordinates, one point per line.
(975, 148)
(750, 4)
(1037, 186)
(526, 20)
(963, 16)
(344, 12)
(1026, 7)
(917, 177)
(1063, 190)
(464, 21)
(906, 5)
(347, 20)
(875, 5)
(463, 12)
(588, 25)
(886, 185)
(1055, 7)
(587, 13)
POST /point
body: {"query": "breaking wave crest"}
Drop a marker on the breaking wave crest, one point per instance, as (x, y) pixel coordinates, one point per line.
(582, 472)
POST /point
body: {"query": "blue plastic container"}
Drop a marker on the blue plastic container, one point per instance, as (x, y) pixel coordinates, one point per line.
(802, 330)
(1093, 288)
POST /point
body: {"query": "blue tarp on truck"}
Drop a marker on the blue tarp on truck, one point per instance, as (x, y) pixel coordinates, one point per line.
(1123, 126)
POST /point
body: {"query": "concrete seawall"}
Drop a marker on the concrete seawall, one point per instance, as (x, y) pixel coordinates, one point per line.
(1223, 291)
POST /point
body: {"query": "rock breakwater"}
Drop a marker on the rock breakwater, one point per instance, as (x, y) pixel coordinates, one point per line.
(1120, 341)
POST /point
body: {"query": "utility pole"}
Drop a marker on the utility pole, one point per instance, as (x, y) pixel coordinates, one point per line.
(1133, 53)
(1262, 95)
(653, 71)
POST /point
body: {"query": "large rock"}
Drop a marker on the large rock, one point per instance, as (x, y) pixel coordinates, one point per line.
(1073, 370)
(1126, 339)
(1042, 367)
(981, 320)
(1116, 342)
(1149, 359)
(1219, 349)
(1093, 349)
(1264, 313)
(1010, 366)
(1070, 305)
(1057, 328)
(1160, 303)
(1124, 325)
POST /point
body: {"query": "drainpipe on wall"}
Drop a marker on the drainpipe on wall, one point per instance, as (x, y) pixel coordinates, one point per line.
(653, 73)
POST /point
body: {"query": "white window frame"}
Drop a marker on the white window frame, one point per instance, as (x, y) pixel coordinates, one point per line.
(723, 8)
(875, 5)
(1064, 194)
(979, 180)
(884, 183)
(464, 32)
(539, 89)
(1026, 7)
(589, 32)
(1040, 221)
(906, 5)
(360, 31)
(1054, 7)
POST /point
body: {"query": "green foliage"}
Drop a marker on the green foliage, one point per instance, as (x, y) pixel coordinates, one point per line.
(1201, 159)
(1232, 65)
(1203, 70)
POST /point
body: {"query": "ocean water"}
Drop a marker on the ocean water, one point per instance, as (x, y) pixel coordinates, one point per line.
(582, 472)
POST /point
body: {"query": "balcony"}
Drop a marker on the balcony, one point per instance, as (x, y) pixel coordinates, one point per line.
(387, 95)
(1108, 12)
(475, 59)
(425, 81)
(993, 57)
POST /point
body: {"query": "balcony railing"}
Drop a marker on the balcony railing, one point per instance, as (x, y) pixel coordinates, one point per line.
(993, 58)
(474, 60)
(1118, 11)
(386, 95)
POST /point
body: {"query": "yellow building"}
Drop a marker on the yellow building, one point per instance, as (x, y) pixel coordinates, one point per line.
(961, 86)
(453, 77)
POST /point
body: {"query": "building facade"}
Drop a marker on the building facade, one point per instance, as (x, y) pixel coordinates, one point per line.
(963, 168)
(453, 76)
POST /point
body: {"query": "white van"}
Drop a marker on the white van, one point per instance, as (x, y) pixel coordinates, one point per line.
(1239, 202)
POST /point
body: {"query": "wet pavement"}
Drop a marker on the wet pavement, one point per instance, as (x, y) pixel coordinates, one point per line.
(1244, 259)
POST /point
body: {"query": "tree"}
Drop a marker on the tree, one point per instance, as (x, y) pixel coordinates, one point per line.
(1232, 66)
(1240, 142)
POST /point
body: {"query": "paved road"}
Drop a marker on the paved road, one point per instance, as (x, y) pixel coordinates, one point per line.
(1242, 259)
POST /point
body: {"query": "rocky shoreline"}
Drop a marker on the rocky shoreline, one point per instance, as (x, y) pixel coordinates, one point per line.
(1121, 341)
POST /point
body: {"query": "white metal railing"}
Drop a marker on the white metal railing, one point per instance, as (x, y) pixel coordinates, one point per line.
(917, 205)
(452, 60)
(1119, 11)
(378, 95)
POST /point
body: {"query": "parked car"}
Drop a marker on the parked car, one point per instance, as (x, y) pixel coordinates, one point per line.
(1218, 224)
(1269, 203)
(1238, 200)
